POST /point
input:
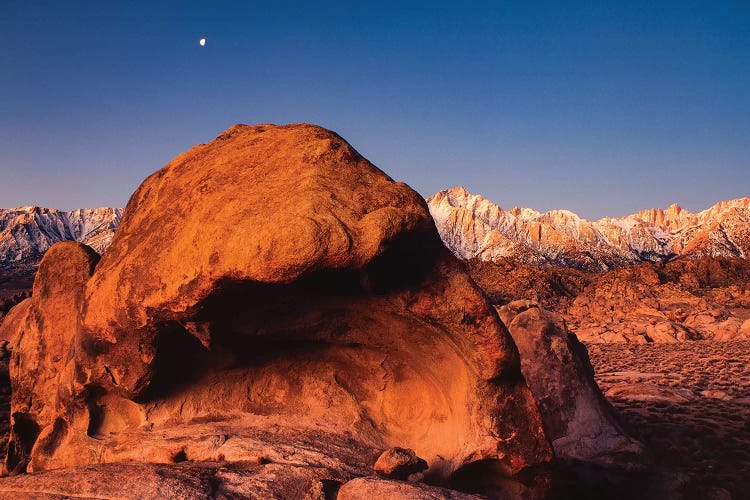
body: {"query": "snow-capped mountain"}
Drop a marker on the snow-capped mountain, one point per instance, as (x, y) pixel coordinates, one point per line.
(27, 232)
(473, 227)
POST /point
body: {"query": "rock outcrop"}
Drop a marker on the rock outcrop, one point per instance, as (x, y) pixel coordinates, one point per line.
(475, 228)
(311, 334)
(42, 330)
(578, 420)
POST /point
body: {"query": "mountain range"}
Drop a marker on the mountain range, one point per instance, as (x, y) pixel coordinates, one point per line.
(470, 225)
(476, 228)
(27, 232)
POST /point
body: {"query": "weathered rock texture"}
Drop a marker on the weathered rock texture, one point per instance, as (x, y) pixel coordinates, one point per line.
(370, 488)
(578, 420)
(185, 481)
(316, 332)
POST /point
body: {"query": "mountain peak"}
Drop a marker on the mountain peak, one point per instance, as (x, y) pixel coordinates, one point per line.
(674, 208)
(458, 191)
(457, 194)
(561, 237)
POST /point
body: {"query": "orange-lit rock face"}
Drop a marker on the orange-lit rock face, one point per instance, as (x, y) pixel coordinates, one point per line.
(42, 329)
(273, 296)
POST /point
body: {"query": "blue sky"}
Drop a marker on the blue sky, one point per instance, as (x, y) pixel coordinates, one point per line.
(603, 108)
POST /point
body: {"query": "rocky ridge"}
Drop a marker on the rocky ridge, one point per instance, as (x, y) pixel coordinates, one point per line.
(475, 228)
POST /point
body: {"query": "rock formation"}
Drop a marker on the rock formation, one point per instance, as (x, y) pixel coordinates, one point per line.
(578, 420)
(42, 330)
(295, 340)
(475, 228)
(683, 300)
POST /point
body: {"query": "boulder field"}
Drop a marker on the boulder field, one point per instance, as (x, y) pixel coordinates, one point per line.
(274, 312)
(681, 300)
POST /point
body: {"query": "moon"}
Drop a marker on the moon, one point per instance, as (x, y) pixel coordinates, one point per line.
(202, 42)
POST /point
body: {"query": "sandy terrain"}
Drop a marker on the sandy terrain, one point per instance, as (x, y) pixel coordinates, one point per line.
(690, 402)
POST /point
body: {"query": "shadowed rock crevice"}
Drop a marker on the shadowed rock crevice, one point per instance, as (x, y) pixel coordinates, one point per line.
(96, 417)
(49, 444)
(180, 359)
(245, 322)
(24, 433)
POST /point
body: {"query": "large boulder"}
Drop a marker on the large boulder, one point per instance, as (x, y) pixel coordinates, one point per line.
(271, 297)
(578, 420)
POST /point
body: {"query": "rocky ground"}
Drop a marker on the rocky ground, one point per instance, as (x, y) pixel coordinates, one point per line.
(690, 403)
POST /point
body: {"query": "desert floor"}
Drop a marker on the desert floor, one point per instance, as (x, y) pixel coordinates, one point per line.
(690, 403)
